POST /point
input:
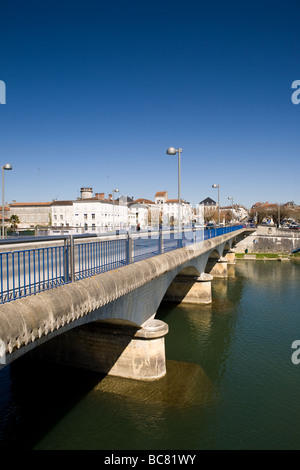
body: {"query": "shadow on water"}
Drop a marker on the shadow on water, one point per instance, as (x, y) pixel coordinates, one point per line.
(34, 396)
(41, 395)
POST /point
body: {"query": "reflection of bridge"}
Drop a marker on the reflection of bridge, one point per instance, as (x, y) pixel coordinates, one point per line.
(108, 319)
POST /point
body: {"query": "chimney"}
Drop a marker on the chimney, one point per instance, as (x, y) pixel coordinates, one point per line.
(86, 193)
(100, 196)
(109, 197)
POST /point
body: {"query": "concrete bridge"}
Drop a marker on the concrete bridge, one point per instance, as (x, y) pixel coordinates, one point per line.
(107, 322)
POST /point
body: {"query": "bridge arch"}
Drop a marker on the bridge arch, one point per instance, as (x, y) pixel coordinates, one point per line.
(227, 247)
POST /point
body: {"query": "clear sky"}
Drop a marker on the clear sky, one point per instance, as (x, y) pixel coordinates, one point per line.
(96, 91)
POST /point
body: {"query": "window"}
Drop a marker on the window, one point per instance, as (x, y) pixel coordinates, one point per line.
(85, 216)
(93, 216)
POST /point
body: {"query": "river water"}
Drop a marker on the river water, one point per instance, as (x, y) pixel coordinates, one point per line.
(230, 383)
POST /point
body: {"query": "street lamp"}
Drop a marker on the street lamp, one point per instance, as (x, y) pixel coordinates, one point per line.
(218, 186)
(230, 197)
(173, 151)
(114, 191)
(7, 166)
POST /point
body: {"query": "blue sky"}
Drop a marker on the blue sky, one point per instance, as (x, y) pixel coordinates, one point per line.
(96, 91)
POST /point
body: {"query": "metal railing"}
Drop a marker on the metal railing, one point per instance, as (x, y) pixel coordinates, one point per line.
(29, 271)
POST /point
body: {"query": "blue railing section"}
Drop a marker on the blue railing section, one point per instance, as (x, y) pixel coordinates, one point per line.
(27, 272)
(30, 271)
(97, 257)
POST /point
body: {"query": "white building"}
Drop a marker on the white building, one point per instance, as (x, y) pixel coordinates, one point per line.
(147, 212)
(97, 214)
(240, 212)
(91, 214)
(169, 210)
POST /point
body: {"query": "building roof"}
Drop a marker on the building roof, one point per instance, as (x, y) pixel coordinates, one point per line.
(125, 199)
(208, 202)
(27, 204)
(265, 205)
(161, 194)
(144, 201)
(61, 203)
(290, 203)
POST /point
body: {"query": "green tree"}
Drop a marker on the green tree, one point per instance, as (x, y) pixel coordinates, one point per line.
(14, 221)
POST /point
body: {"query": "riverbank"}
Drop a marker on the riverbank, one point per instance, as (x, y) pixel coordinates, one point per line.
(269, 240)
(267, 256)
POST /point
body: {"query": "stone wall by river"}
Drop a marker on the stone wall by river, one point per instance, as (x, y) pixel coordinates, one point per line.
(269, 240)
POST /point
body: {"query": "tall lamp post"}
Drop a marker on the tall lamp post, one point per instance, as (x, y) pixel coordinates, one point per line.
(218, 186)
(7, 166)
(173, 151)
(114, 191)
(230, 197)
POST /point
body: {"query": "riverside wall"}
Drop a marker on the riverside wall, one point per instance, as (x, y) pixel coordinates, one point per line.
(269, 240)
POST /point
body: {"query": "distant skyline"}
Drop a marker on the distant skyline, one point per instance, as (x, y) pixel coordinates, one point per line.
(96, 92)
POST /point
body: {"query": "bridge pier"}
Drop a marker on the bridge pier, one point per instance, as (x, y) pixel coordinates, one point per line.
(217, 267)
(230, 256)
(112, 349)
(190, 289)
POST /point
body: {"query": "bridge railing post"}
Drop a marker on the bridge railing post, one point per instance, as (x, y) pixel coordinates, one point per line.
(129, 249)
(194, 234)
(66, 261)
(160, 242)
(72, 259)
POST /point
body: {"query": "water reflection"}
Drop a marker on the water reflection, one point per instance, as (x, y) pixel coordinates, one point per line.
(184, 385)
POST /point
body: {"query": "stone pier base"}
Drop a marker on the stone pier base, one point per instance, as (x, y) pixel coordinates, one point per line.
(190, 289)
(111, 348)
(230, 257)
(217, 267)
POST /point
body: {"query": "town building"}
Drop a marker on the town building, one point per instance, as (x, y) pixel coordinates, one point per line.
(6, 216)
(209, 203)
(99, 214)
(208, 207)
(169, 210)
(31, 214)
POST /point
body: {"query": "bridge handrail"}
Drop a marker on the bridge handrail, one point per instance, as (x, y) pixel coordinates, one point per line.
(109, 235)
